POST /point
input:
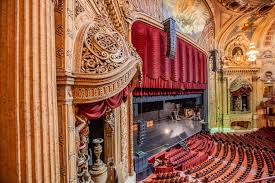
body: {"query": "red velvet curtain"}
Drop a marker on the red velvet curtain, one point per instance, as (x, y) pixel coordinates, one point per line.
(96, 110)
(241, 91)
(186, 71)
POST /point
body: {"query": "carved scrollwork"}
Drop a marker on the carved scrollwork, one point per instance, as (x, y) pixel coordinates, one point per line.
(82, 141)
(104, 50)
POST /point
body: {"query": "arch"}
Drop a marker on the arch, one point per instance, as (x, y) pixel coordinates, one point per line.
(239, 83)
(240, 40)
(270, 36)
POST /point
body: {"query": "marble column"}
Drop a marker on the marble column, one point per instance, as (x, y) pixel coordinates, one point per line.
(28, 113)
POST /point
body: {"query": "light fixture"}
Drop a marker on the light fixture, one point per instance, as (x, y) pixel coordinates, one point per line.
(167, 131)
(252, 51)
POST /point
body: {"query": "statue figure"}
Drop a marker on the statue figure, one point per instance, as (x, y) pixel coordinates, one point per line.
(244, 107)
(82, 141)
(238, 104)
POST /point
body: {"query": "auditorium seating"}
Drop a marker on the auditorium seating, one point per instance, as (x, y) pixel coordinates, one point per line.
(220, 158)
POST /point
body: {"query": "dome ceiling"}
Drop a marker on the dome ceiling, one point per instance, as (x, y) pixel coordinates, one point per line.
(243, 6)
(249, 18)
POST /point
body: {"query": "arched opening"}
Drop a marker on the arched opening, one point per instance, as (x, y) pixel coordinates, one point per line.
(240, 92)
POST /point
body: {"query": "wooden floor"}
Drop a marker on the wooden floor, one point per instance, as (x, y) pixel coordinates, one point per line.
(157, 138)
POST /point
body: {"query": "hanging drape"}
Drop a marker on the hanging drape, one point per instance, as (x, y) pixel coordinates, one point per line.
(186, 71)
(96, 110)
(241, 91)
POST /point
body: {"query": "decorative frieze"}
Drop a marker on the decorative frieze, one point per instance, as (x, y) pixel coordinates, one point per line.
(88, 94)
(124, 136)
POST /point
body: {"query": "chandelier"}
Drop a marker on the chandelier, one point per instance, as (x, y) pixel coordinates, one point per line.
(252, 52)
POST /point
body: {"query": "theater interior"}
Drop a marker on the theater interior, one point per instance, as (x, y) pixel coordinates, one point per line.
(137, 91)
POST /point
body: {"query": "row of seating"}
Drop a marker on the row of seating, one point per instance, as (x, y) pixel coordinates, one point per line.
(249, 155)
(184, 159)
(173, 152)
(178, 156)
(223, 157)
(167, 175)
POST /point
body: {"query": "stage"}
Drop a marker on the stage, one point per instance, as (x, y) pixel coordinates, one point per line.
(166, 133)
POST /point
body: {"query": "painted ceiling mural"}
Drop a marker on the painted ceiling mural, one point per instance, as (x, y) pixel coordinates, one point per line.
(192, 18)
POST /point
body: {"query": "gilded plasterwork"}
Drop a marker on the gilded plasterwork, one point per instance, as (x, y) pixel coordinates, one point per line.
(124, 137)
(151, 8)
(103, 50)
(239, 83)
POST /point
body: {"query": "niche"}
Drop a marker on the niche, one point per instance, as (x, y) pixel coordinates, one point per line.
(96, 128)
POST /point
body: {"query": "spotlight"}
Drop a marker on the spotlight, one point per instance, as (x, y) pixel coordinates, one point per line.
(167, 131)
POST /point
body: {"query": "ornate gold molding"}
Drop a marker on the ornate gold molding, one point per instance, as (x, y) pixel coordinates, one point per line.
(89, 94)
(240, 70)
(105, 63)
(239, 83)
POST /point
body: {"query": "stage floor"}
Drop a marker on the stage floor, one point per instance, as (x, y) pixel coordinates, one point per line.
(166, 133)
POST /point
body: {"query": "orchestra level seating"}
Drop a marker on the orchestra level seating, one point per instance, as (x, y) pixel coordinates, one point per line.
(217, 158)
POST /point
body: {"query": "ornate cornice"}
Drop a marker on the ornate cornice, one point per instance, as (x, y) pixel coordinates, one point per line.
(86, 91)
(116, 15)
(238, 70)
(104, 63)
(239, 83)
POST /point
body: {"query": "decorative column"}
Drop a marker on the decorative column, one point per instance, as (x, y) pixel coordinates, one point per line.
(29, 138)
(219, 101)
(211, 92)
(64, 41)
(254, 101)
(131, 136)
(225, 109)
(109, 143)
(67, 132)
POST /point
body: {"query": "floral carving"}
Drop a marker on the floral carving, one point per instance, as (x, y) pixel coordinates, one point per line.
(104, 50)
(124, 136)
(78, 8)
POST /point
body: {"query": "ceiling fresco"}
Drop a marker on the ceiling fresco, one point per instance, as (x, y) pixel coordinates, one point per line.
(244, 6)
(252, 23)
(191, 15)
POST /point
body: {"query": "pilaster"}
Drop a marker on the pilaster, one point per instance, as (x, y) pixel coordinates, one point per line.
(29, 137)
(66, 131)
